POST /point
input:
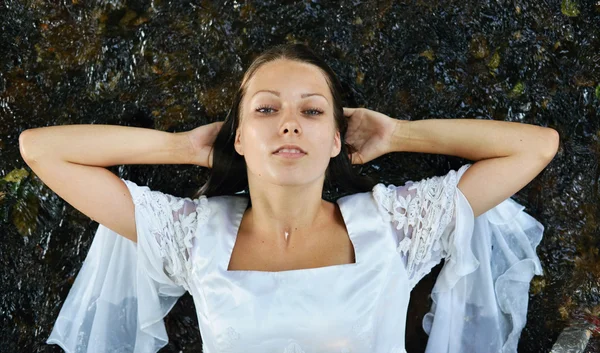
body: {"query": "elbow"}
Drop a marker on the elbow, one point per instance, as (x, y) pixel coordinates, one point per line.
(24, 145)
(552, 144)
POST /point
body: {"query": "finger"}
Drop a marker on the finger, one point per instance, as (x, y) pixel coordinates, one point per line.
(348, 111)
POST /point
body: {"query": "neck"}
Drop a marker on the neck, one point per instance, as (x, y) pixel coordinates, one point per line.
(286, 216)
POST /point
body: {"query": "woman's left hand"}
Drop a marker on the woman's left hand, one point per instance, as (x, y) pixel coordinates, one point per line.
(370, 132)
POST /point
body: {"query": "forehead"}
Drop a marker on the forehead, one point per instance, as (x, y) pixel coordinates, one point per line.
(291, 78)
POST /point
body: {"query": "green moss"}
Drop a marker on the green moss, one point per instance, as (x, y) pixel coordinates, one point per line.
(569, 8)
(479, 47)
(517, 90)
(598, 92)
(16, 175)
(428, 54)
(494, 61)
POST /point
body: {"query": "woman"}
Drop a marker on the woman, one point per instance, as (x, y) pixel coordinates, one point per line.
(281, 269)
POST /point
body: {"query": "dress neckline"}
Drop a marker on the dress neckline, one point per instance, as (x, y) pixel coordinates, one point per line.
(241, 205)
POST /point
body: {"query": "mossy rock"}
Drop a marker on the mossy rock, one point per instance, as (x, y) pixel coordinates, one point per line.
(569, 8)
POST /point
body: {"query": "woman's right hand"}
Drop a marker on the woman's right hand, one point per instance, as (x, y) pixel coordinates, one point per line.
(202, 139)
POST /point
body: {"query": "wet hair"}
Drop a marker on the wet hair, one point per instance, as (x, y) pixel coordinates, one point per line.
(229, 175)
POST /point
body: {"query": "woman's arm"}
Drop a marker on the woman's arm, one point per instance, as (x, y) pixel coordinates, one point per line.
(509, 154)
(70, 160)
(105, 145)
(473, 139)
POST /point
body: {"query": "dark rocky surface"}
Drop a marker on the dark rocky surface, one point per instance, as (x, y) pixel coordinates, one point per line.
(174, 65)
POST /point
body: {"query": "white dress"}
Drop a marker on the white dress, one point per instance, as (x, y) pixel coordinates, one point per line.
(399, 233)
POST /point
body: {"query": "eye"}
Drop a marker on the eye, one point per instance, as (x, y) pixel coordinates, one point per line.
(264, 107)
(319, 111)
(316, 111)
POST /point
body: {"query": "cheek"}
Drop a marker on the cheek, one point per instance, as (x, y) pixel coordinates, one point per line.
(322, 142)
(324, 134)
(257, 138)
(256, 145)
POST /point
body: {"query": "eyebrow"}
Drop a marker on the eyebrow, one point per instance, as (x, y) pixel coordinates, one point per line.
(303, 95)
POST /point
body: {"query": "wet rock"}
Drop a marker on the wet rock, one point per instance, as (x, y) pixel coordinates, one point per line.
(360, 76)
(128, 17)
(573, 339)
(479, 47)
(175, 65)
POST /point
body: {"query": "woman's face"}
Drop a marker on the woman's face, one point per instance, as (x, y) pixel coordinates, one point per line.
(298, 111)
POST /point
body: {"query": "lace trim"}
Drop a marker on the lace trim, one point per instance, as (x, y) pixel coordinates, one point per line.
(175, 230)
(427, 208)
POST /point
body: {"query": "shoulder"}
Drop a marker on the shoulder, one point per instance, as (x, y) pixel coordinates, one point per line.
(224, 203)
(435, 188)
(436, 182)
(199, 209)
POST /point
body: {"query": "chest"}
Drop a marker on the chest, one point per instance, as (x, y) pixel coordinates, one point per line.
(332, 246)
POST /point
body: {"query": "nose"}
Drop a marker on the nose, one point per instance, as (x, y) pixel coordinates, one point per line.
(290, 124)
(287, 129)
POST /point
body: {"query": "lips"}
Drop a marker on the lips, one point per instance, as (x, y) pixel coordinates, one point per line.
(290, 149)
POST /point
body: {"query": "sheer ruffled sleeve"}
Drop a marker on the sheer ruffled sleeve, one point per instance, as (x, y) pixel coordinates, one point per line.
(480, 297)
(423, 215)
(125, 289)
(166, 228)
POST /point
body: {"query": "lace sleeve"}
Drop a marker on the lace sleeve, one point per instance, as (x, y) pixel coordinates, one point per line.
(124, 290)
(166, 227)
(423, 217)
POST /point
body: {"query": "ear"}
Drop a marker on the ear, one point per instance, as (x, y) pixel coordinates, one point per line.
(237, 144)
(337, 144)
